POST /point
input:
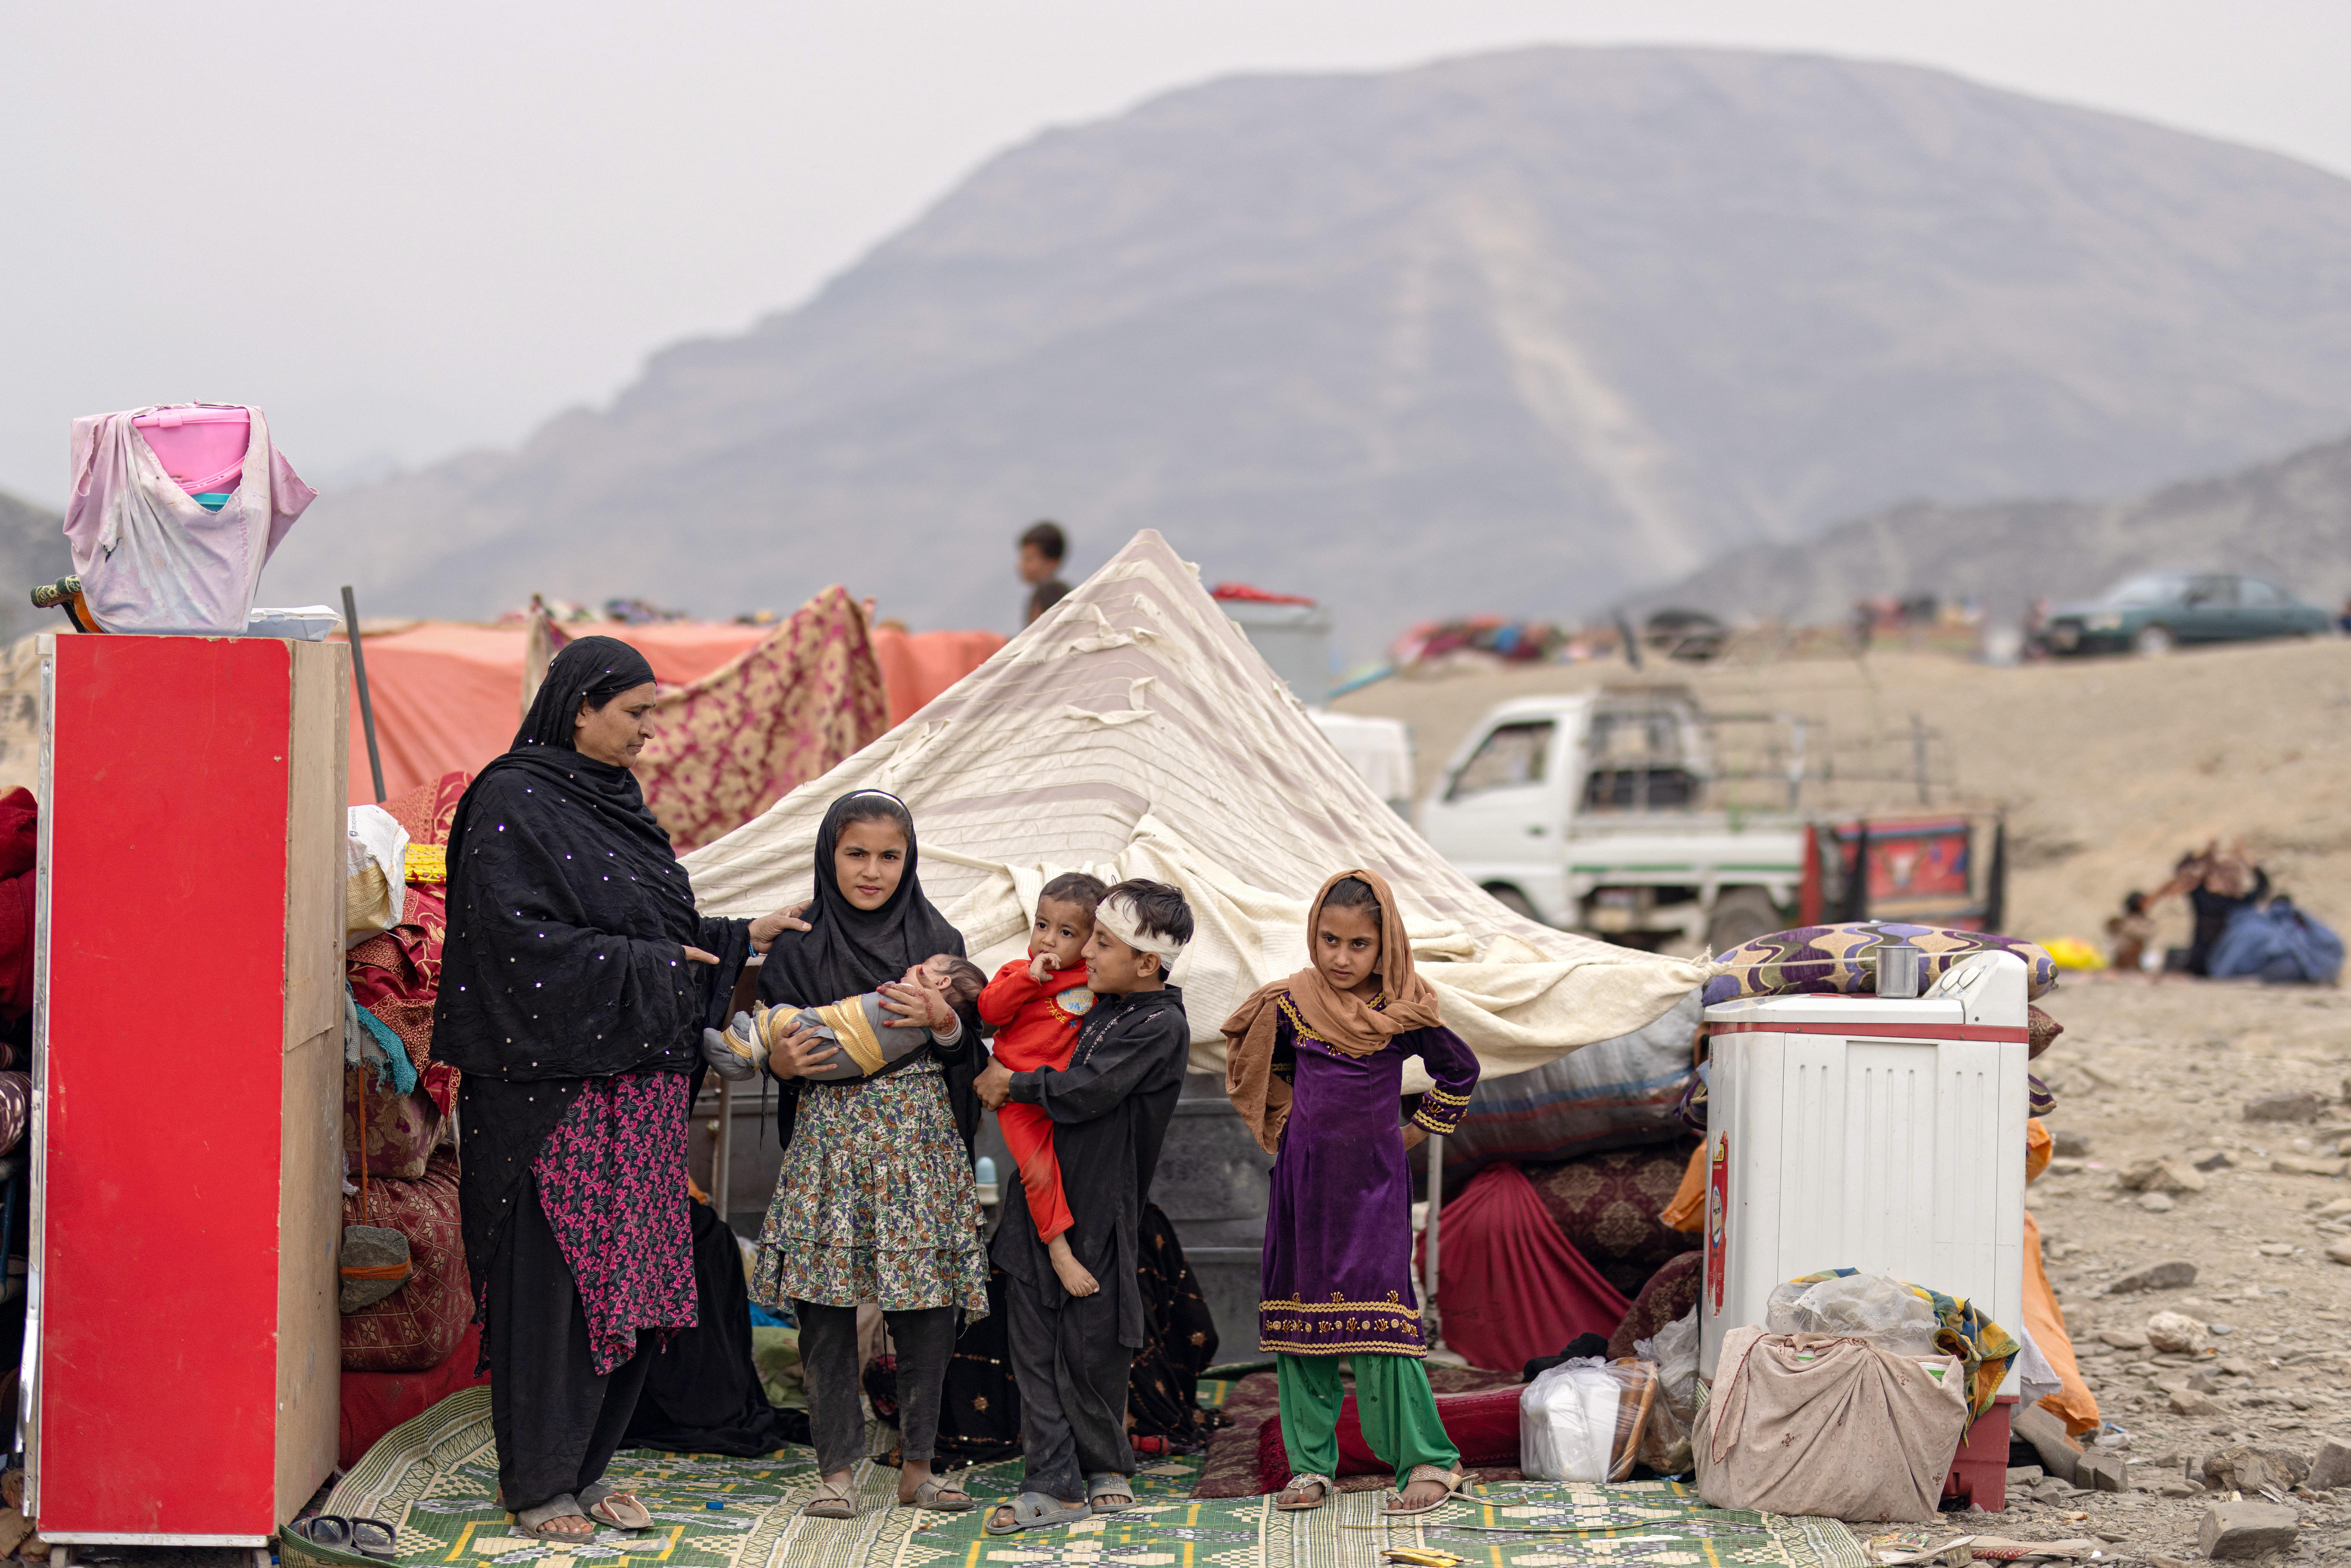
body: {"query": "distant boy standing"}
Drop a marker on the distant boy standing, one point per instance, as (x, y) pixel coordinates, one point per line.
(1110, 1108)
(1041, 550)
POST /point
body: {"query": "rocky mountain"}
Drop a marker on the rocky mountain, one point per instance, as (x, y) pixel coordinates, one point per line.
(1526, 331)
(32, 551)
(2289, 521)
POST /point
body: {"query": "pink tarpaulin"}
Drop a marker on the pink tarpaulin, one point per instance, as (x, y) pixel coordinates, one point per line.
(448, 697)
(1511, 1287)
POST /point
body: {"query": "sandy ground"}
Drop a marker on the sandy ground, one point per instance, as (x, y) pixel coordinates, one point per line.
(2106, 767)
(2149, 1070)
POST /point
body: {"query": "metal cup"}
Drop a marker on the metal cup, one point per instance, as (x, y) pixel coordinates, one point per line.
(1898, 966)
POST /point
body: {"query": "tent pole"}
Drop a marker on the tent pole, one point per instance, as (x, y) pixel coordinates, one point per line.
(1429, 1277)
(359, 671)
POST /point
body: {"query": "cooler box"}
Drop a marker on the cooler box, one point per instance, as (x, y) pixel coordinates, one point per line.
(1872, 1134)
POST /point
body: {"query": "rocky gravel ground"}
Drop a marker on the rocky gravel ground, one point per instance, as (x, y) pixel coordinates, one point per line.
(2198, 1128)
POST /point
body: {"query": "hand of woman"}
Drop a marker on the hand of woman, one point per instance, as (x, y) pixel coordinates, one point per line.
(993, 1085)
(1415, 1134)
(917, 1007)
(800, 1051)
(768, 927)
(696, 956)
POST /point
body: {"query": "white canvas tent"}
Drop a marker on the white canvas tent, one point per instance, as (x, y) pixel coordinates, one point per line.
(1132, 731)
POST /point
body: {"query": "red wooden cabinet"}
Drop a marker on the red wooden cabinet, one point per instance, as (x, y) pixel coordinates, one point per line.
(184, 1358)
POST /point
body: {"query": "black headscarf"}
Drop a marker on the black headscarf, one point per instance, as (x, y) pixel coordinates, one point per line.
(847, 951)
(569, 917)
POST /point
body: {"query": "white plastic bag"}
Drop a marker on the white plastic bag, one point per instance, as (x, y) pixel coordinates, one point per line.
(1580, 1421)
(1886, 1313)
(375, 873)
(1666, 1437)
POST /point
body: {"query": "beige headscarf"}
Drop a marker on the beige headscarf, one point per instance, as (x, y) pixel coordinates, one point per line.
(1346, 1023)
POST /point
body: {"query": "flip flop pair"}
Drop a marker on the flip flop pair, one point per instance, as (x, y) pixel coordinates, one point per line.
(597, 1503)
(368, 1537)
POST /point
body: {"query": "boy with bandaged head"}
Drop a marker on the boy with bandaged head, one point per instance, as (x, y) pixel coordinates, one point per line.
(1110, 1108)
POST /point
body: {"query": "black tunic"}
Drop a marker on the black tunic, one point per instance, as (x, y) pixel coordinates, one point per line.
(569, 917)
(1110, 1107)
(848, 951)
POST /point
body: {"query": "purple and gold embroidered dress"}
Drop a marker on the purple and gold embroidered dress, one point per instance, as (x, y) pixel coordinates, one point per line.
(1338, 1223)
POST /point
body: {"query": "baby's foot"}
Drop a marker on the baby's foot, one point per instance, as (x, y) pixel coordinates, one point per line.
(1072, 1274)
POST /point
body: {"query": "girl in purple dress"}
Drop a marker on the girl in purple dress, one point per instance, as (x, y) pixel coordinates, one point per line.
(1315, 1065)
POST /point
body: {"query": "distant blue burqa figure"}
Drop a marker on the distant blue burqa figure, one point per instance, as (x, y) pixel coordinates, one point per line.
(2278, 944)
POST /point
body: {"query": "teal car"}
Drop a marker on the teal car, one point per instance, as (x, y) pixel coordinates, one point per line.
(2155, 613)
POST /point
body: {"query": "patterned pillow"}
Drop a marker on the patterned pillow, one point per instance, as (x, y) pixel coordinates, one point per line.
(1838, 959)
(414, 1328)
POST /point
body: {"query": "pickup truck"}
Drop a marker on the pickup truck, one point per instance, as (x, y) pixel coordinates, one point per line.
(1630, 813)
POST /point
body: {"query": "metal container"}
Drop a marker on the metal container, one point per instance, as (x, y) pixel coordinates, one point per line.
(1211, 1184)
(1898, 970)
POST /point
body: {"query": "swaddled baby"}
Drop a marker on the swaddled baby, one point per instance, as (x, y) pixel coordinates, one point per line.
(858, 1026)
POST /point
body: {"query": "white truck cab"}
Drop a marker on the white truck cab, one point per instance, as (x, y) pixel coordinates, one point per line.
(1599, 811)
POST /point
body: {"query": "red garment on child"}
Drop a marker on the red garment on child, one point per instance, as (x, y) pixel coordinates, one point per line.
(1036, 1028)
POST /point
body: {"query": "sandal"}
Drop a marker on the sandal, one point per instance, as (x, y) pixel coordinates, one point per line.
(1104, 1485)
(1035, 1510)
(373, 1538)
(332, 1530)
(621, 1510)
(932, 1494)
(1455, 1482)
(1293, 1496)
(834, 1499)
(538, 1523)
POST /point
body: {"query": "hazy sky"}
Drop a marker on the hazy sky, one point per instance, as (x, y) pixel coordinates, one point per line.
(405, 230)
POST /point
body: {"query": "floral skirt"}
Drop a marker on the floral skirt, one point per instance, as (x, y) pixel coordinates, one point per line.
(875, 1203)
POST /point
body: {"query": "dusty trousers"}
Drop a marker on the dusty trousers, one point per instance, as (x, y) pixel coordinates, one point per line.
(925, 1341)
(1072, 1375)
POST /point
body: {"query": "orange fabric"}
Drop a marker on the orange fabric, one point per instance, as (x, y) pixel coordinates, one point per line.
(1033, 1031)
(2073, 1403)
(1687, 1210)
(918, 665)
(737, 741)
(2038, 1146)
(448, 696)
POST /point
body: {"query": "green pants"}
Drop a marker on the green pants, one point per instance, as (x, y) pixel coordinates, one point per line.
(1392, 1399)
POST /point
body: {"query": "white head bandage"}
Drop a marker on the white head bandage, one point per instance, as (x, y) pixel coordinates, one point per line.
(1117, 916)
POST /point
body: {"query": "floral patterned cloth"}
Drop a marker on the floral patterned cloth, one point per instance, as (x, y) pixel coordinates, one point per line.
(875, 1202)
(737, 740)
(612, 1180)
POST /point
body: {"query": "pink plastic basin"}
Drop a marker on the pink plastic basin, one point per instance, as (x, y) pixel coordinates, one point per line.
(201, 446)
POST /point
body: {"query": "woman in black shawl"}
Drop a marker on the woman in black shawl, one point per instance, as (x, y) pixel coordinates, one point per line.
(576, 980)
(876, 1201)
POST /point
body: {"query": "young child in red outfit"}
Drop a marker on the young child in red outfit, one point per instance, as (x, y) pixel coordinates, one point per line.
(1035, 1005)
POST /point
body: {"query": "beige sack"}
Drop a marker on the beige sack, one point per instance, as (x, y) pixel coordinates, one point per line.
(1806, 1424)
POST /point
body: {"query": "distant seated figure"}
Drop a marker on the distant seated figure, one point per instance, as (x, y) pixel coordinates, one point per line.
(2132, 930)
(1042, 548)
(857, 1026)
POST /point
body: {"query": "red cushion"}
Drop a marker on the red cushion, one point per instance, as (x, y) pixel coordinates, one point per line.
(1484, 1426)
(376, 1402)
